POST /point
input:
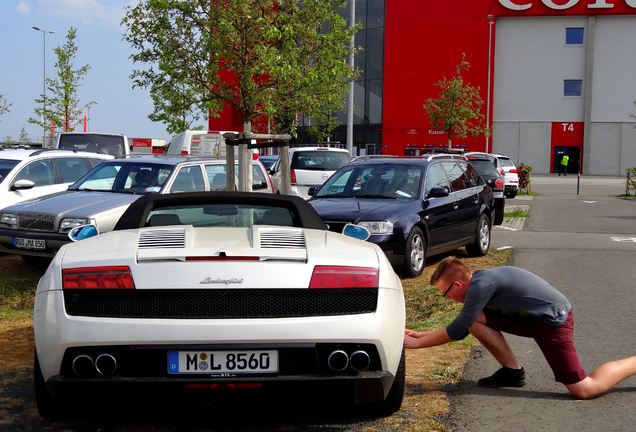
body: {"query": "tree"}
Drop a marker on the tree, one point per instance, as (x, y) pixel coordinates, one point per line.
(5, 107)
(457, 110)
(323, 122)
(24, 136)
(62, 105)
(264, 57)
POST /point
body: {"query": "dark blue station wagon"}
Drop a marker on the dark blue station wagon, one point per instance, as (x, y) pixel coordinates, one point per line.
(413, 207)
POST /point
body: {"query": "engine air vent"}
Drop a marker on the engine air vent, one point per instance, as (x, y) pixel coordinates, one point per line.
(282, 238)
(162, 239)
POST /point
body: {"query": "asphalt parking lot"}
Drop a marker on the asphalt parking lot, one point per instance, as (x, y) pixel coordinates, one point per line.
(585, 245)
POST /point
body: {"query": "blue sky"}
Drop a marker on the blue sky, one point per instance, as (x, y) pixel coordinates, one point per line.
(119, 109)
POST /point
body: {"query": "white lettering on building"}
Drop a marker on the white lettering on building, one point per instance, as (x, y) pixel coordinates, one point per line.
(568, 127)
(593, 4)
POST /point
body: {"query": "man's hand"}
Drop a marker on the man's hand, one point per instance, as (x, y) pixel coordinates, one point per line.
(414, 339)
(411, 338)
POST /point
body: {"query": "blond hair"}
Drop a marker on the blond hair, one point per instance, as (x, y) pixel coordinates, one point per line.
(450, 266)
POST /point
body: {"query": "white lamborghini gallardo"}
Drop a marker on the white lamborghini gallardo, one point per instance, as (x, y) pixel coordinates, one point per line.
(219, 289)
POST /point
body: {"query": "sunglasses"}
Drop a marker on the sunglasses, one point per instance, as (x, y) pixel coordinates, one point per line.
(448, 289)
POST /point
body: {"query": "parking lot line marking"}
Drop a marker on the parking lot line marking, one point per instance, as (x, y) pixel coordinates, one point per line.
(624, 239)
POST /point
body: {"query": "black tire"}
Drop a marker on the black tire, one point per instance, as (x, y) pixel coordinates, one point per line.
(35, 261)
(481, 245)
(500, 209)
(393, 401)
(46, 403)
(511, 194)
(414, 254)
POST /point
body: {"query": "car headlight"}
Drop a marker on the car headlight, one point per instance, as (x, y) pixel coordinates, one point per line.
(9, 219)
(378, 228)
(68, 224)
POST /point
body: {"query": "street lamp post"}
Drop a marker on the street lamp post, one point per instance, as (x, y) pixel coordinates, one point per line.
(44, 32)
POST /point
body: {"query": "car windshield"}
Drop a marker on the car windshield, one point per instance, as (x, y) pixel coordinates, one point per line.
(484, 167)
(374, 181)
(319, 160)
(6, 165)
(268, 161)
(94, 143)
(220, 215)
(138, 178)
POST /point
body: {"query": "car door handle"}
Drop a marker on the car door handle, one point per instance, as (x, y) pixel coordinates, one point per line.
(455, 206)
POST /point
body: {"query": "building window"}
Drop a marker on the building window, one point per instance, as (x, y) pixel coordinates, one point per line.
(572, 87)
(574, 36)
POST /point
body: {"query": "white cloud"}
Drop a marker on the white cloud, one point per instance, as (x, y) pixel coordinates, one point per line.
(106, 13)
(23, 8)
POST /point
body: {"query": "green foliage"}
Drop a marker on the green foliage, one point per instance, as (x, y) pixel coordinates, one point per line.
(630, 182)
(263, 57)
(5, 107)
(24, 136)
(524, 170)
(517, 213)
(457, 110)
(62, 103)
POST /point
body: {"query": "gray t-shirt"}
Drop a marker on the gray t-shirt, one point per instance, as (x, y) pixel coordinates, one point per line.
(510, 291)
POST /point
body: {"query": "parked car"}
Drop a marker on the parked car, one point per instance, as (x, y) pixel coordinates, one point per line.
(39, 228)
(32, 173)
(488, 172)
(413, 207)
(310, 167)
(187, 291)
(104, 143)
(506, 167)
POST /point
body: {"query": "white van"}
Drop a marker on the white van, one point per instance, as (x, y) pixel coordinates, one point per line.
(310, 166)
(197, 142)
(104, 143)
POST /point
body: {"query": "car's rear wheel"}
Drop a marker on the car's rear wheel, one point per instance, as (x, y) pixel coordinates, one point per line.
(481, 245)
(48, 407)
(393, 401)
(414, 253)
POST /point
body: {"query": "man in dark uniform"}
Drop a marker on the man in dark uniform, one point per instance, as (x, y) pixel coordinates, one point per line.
(514, 300)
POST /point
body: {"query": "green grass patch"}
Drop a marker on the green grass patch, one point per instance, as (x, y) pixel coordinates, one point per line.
(628, 197)
(526, 193)
(516, 214)
(17, 287)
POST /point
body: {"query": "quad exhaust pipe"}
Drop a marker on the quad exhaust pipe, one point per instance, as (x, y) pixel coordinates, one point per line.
(105, 365)
(339, 360)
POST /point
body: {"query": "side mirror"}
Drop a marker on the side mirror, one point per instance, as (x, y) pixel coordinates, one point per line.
(438, 192)
(312, 190)
(22, 185)
(83, 232)
(356, 231)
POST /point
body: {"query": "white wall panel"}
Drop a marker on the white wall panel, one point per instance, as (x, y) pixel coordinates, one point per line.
(628, 147)
(605, 149)
(614, 86)
(531, 62)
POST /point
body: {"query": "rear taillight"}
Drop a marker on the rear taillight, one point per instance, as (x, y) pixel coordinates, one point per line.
(292, 176)
(110, 277)
(513, 170)
(344, 277)
(184, 152)
(499, 183)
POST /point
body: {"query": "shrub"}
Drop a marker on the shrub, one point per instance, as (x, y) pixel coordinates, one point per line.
(524, 171)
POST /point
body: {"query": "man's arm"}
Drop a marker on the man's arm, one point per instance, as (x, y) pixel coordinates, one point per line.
(413, 339)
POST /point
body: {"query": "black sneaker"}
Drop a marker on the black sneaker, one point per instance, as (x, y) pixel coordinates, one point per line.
(504, 377)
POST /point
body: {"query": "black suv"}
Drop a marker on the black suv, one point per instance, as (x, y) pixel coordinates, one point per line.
(413, 207)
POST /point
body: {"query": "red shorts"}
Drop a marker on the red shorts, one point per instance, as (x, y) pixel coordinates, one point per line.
(556, 343)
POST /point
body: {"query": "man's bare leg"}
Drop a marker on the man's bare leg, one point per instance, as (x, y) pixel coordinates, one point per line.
(494, 342)
(603, 378)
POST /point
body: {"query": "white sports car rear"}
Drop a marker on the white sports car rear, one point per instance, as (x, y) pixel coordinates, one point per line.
(219, 289)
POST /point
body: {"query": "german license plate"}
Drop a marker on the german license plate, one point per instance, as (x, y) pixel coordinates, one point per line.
(222, 362)
(27, 243)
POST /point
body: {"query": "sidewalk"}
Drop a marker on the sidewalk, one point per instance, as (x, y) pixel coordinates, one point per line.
(571, 179)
